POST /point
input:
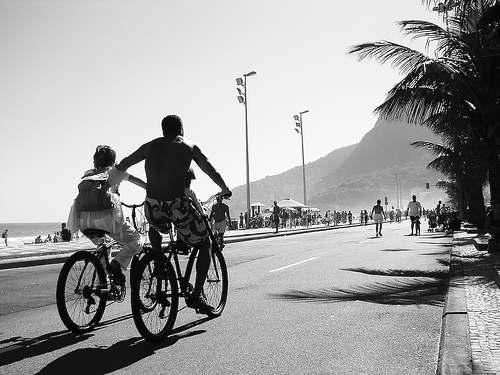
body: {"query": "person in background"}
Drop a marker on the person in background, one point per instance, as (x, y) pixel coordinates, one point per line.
(366, 217)
(349, 217)
(241, 220)
(5, 236)
(361, 217)
(276, 215)
(378, 216)
(65, 233)
(219, 213)
(414, 210)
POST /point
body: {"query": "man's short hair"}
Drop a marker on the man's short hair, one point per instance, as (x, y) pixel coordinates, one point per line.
(413, 197)
(172, 126)
(379, 201)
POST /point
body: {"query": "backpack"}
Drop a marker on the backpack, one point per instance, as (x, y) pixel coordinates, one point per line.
(93, 193)
(3, 235)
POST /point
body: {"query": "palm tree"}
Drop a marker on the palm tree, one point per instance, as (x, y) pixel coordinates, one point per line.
(466, 174)
(461, 79)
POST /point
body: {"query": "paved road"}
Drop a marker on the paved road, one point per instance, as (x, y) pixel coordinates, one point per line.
(331, 302)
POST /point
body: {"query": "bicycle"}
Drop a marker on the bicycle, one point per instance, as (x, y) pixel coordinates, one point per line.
(158, 286)
(83, 288)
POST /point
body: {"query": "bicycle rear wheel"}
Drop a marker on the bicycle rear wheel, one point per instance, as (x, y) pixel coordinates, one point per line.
(216, 283)
(154, 297)
(79, 303)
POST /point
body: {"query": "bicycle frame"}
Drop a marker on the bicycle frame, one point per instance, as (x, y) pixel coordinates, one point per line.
(171, 253)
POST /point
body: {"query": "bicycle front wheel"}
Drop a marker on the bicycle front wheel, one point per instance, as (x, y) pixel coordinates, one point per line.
(154, 297)
(216, 283)
(79, 301)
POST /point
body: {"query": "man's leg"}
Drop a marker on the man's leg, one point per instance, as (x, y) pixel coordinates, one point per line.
(154, 238)
(202, 266)
(380, 230)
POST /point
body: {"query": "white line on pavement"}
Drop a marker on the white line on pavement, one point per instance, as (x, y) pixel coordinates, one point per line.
(294, 264)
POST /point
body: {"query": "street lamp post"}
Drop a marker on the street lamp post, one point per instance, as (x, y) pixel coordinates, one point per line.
(242, 98)
(300, 129)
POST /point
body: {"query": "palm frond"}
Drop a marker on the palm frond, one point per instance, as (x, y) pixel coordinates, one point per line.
(402, 58)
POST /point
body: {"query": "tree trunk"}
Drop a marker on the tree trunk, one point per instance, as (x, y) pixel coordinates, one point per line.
(476, 204)
(494, 214)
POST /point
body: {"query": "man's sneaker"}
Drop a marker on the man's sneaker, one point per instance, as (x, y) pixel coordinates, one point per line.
(200, 304)
(115, 271)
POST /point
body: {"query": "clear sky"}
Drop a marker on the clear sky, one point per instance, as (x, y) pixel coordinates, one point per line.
(76, 74)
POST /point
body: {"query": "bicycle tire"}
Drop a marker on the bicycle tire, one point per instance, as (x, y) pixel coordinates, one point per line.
(71, 273)
(154, 288)
(216, 284)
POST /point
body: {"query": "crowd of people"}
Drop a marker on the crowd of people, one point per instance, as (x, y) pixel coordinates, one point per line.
(64, 235)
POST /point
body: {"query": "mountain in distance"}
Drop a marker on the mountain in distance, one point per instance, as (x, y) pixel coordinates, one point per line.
(354, 177)
(289, 183)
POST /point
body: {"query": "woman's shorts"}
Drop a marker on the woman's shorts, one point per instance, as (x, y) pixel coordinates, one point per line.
(191, 227)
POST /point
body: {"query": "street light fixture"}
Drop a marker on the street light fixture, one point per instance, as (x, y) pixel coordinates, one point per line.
(242, 98)
(300, 129)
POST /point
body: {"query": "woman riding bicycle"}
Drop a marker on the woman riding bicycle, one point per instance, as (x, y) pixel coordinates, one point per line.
(97, 206)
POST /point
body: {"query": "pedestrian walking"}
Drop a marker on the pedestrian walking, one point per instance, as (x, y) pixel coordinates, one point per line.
(276, 215)
(219, 213)
(414, 210)
(366, 217)
(241, 220)
(349, 217)
(5, 236)
(378, 216)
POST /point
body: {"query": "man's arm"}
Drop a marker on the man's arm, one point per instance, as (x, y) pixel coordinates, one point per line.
(137, 181)
(228, 216)
(208, 168)
(133, 158)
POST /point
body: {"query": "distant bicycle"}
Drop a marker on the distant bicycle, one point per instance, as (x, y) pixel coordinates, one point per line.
(157, 286)
(83, 288)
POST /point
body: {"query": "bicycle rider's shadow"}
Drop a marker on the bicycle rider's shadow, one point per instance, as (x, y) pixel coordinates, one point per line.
(103, 360)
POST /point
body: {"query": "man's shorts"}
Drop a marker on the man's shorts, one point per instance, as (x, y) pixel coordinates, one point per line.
(220, 227)
(414, 218)
(378, 218)
(190, 225)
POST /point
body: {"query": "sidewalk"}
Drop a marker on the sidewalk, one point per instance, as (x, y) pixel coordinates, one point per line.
(50, 253)
(470, 341)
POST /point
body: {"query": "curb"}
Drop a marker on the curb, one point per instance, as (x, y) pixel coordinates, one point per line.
(40, 260)
(455, 353)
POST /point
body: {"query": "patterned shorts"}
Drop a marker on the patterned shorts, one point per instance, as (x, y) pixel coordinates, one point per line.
(190, 225)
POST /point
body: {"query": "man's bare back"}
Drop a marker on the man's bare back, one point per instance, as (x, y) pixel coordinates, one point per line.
(167, 161)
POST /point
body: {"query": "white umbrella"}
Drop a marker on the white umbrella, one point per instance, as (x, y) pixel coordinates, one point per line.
(313, 209)
(290, 203)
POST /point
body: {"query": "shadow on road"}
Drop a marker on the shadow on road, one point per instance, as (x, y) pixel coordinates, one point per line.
(397, 250)
(103, 360)
(418, 288)
(20, 348)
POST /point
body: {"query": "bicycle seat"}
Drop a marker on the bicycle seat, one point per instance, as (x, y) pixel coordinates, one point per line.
(94, 233)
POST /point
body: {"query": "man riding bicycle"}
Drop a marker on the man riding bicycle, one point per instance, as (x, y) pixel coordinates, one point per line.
(167, 161)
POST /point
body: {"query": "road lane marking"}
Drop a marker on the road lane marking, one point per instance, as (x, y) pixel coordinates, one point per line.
(294, 264)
